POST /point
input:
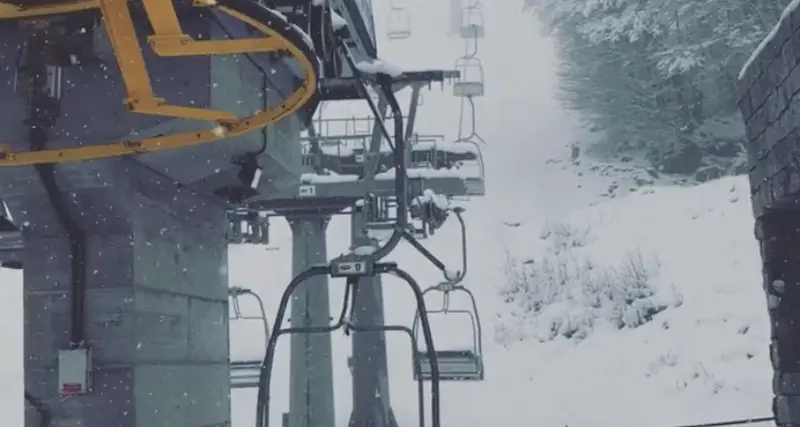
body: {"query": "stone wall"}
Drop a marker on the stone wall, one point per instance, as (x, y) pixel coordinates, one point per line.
(770, 106)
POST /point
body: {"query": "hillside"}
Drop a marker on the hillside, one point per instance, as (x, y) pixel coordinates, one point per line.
(703, 358)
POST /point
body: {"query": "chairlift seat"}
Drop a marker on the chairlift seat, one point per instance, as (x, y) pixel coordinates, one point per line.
(398, 34)
(245, 373)
(381, 225)
(454, 365)
(471, 31)
(468, 89)
(399, 24)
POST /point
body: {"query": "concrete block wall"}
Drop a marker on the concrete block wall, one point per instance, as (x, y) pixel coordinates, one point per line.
(770, 106)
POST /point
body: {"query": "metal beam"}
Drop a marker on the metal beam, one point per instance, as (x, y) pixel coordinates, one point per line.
(347, 88)
(311, 367)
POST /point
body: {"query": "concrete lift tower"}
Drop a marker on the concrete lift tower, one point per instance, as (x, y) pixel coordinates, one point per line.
(137, 137)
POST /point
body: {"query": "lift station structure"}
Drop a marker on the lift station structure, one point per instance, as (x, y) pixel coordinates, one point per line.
(139, 138)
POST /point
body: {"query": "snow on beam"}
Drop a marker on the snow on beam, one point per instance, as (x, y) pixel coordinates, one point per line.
(785, 15)
(450, 147)
(337, 21)
(464, 172)
(379, 66)
(430, 196)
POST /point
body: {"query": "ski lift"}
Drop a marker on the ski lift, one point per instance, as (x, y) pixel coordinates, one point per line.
(246, 373)
(472, 25)
(399, 24)
(263, 414)
(470, 82)
(461, 364)
(248, 227)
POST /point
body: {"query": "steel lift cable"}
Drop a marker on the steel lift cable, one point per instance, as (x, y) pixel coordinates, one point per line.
(168, 40)
(741, 421)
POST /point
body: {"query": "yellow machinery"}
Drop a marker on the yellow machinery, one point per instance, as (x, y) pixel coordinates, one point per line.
(169, 40)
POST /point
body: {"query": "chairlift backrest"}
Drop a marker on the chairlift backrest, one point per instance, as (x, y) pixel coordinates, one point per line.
(471, 311)
(398, 24)
(472, 25)
(470, 68)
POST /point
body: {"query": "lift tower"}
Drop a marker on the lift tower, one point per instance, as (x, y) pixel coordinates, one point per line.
(129, 129)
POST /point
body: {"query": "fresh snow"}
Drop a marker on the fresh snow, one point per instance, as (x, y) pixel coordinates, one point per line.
(379, 66)
(331, 178)
(347, 147)
(337, 21)
(430, 196)
(786, 12)
(450, 147)
(306, 38)
(466, 171)
(703, 359)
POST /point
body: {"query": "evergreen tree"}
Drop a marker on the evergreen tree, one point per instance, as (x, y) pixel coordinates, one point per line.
(658, 78)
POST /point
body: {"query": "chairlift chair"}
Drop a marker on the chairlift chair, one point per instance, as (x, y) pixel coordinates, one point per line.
(470, 82)
(472, 24)
(455, 364)
(398, 24)
(264, 411)
(246, 373)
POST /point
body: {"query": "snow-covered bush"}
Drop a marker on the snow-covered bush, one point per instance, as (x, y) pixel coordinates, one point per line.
(564, 292)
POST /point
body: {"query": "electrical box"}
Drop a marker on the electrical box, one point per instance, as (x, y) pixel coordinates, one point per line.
(74, 371)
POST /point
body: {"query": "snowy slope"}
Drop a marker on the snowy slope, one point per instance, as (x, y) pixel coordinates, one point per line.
(702, 359)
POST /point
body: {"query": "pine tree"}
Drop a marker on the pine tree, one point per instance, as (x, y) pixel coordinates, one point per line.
(654, 75)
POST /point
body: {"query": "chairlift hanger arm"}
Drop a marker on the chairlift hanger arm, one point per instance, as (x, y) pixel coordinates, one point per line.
(262, 407)
(399, 152)
(461, 275)
(262, 400)
(362, 87)
(392, 268)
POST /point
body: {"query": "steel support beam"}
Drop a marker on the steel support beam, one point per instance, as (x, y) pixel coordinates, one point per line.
(311, 365)
(371, 403)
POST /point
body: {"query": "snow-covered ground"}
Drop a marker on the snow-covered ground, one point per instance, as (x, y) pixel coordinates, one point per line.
(703, 358)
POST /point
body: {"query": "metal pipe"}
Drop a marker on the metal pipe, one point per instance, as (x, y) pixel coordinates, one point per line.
(426, 332)
(262, 402)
